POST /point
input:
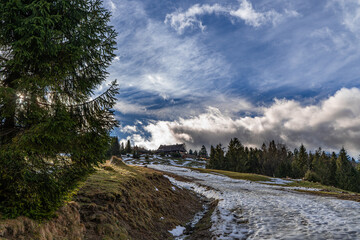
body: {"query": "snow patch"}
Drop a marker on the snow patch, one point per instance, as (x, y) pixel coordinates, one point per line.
(258, 211)
(178, 231)
(277, 181)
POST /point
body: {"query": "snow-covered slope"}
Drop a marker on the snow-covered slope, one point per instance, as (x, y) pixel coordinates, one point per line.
(249, 210)
(167, 160)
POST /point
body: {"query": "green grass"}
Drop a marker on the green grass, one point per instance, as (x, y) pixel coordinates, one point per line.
(235, 175)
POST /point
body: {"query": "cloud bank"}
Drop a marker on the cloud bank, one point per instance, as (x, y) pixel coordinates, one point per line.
(190, 18)
(331, 124)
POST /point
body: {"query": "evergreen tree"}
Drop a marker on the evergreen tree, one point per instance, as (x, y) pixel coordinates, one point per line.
(322, 166)
(135, 152)
(310, 160)
(122, 148)
(211, 163)
(269, 159)
(301, 161)
(128, 147)
(313, 173)
(195, 153)
(253, 159)
(346, 175)
(295, 170)
(191, 152)
(283, 162)
(342, 169)
(203, 152)
(219, 159)
(235, 156)
(332, 169)
(53, 55)
(243, 159)
(114, 149)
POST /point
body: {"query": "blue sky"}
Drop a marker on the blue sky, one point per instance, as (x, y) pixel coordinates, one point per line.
(202, 72)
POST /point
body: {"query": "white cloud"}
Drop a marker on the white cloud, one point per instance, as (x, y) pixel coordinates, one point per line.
(350, 13)
(129, 108)
(154, 59)
(245, 12)
(112, 5)
(129, 129)
(331, 124)
(189, 19)
(251, 17)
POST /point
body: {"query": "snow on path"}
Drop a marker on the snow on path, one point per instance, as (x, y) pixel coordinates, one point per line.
(249, 210)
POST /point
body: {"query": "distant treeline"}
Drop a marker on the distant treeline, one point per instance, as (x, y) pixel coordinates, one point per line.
(276, 160)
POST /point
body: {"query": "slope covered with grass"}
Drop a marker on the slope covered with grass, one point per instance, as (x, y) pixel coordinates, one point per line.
(116, 202)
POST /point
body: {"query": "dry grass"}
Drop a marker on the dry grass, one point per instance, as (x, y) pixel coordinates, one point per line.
(317, 185)
(128, 202)
(66, 225)
(116, 202)
(235, 175)
(328, 191)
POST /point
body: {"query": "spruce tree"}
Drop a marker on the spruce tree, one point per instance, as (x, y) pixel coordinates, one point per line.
(122, 148)
(53, 56)
(114, 149)
(347, 176)
(128, 147)
(135, 152)
(332, 169)
(219, 159)
(301, 161)
(254, 166)
(269, 159)
(203, 152)
(211, 163)
(233, 155)
(295, 169)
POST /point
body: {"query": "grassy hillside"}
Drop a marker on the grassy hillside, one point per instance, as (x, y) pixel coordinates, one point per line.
(117, 202)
